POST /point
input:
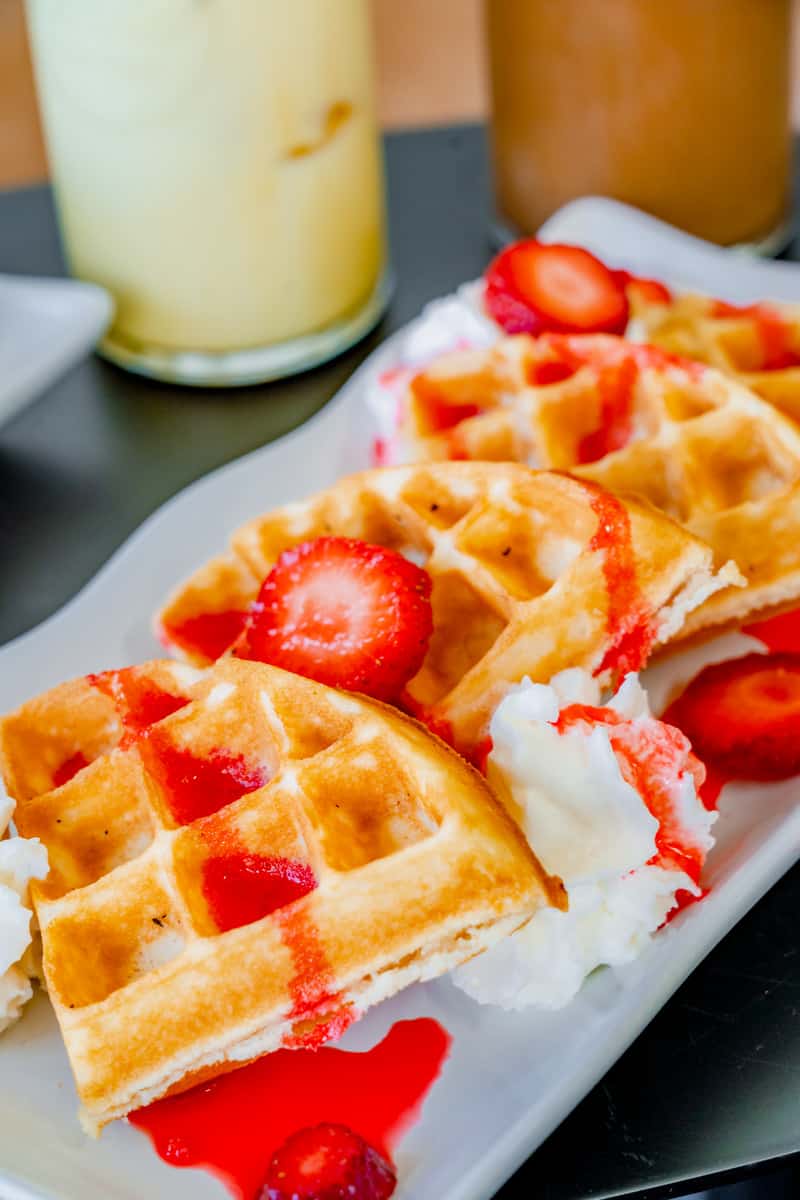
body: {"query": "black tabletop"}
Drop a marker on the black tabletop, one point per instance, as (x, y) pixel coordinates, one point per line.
(712, 1087)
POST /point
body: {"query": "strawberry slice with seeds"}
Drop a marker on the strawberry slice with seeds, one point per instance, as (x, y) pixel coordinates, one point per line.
(328, 1162)
(534, 286)
(343, 612)
(743, 716)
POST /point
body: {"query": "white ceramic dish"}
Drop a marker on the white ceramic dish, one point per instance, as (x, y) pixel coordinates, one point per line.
(510, 1079)
(46, 325)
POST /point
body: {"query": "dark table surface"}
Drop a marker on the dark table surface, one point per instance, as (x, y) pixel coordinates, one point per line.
(712, 1087)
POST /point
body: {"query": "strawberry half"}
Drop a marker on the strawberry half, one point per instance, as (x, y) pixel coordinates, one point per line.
(328, 1162)
(532, 287)
(743, 716)
(343, 612)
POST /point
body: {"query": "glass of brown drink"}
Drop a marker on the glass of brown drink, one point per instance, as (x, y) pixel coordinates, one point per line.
(680, 107)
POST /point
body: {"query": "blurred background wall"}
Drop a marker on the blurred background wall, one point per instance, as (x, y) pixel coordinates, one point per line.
(430, 70)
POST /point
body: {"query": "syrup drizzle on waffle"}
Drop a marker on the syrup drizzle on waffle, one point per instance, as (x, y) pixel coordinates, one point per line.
(630, 624)
(69, 768)
(241, 887)
(774, 332)
(139, 703)
(197, 785)
(207, 634)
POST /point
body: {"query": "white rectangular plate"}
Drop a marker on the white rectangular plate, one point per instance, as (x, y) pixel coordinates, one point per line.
(510, 1078)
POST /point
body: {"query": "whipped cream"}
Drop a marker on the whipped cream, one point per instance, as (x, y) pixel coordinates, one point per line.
(21, 860)
(568, 778)
(456, 322)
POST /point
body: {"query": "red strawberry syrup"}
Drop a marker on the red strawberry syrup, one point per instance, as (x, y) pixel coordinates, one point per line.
(711, 787)
(616, 365)
(233, 1125)
(651, 755)
(196, 786)
(69, 768)
(139, 702)
(207, 635)
(715, 779)
(651, 290)
(241, 887)
(773, 331)
(381, 452)
(542, 374)
(630, 626)
(615, 384)
(434, 411)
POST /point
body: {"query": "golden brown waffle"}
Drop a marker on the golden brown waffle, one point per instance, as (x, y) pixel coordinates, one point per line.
(692, 441)
(758, 345)
(532, 572)
(400, 864)
(52, 737)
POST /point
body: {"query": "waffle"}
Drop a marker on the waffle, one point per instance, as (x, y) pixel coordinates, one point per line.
(155, 984)
(695, 443)
(521, 565)
(759, 346)
(52, 737)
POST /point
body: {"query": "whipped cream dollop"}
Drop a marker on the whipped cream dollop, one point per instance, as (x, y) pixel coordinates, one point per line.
(456, 322)
(607, 797)
(21, 860)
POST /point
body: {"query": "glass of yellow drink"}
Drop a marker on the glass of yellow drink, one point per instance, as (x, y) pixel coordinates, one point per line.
(217, 167)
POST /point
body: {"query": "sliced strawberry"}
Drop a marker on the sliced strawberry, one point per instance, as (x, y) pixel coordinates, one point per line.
(532, 287)
(328, 1162)
(780, 633)
(345, 613)
(743, 716)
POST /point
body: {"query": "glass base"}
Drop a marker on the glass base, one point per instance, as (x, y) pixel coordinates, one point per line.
(502, 233)
(239, 368)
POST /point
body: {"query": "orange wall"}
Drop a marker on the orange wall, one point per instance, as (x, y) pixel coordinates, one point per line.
(430, 70)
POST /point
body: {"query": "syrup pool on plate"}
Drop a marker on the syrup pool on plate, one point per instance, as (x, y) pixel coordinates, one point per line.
(234, 1125)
